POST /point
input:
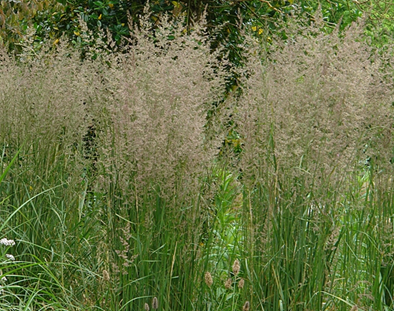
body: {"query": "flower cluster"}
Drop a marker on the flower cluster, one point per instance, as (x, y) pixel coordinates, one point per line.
(155, 304)
(231, 283)
(8, 243)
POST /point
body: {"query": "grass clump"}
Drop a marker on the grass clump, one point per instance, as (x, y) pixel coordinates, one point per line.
(118, 197)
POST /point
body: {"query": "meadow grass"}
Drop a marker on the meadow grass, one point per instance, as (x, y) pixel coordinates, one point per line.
(119, 195)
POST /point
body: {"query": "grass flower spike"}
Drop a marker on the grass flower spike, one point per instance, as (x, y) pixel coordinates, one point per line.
(155, 303)
(106, 275)
(241, 283)
(208, 279)
(236, 267)
(228, 283)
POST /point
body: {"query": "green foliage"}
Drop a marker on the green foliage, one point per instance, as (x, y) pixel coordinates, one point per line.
(107, 15)
(118, 199)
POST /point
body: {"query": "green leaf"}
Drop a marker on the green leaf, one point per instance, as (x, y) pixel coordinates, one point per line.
(9, 165)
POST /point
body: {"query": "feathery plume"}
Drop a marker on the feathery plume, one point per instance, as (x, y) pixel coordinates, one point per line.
(246, 306)
(208, 279)
(106, 275)
(228, 283)
(155, 303)
(241, 283)
(236, 266)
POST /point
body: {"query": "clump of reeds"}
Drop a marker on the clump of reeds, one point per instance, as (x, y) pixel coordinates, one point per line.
(158, 94)
(321, 103)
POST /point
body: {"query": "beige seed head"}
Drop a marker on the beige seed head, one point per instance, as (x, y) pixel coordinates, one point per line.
(241, 283)
(228, 283)
(246, 306)
(236, 266)
(155, 303)
(354, 308)
(146, 307)
(106, 275)
(208, 279)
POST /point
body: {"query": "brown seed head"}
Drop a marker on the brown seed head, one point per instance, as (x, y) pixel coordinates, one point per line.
(354, 308)
(146, 307)
(208, 279)
(241, 283)
(155, 303)
(246, 306)
(228, 283)
(106, 275)
(236, 266)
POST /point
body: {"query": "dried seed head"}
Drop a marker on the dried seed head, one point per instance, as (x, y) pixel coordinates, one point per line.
(146, 307)
(228, 283)
(106, 275)
(208, 279)
(236, 266)
(241, 283)
(246, 306)
(155, 303)
(354, 308)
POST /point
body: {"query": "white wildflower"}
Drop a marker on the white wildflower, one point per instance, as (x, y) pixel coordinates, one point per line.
(7, 242)
(4, 279)
(10, 257)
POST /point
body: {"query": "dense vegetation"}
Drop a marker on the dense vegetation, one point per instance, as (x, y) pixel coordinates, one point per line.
(240, 160)
(50, 19)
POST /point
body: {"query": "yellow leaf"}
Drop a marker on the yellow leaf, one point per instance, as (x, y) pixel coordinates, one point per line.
(110, 5)
(254, 28)
(101, 15)
(56, 42)
(76, 33)
(177, 8)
